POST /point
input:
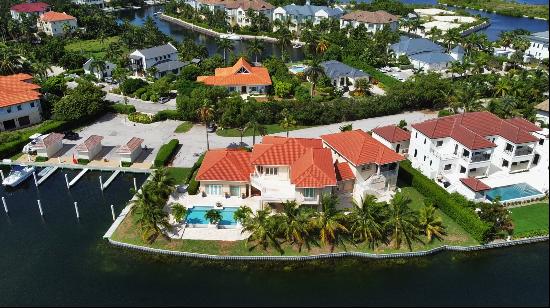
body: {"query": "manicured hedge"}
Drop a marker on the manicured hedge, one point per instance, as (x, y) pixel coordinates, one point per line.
(195, 167)
(452, 206)
(165, 153)
(122, 108)
(193, 187)
(167, 115)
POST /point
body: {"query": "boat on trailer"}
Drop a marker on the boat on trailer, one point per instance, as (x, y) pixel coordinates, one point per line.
(17, 175)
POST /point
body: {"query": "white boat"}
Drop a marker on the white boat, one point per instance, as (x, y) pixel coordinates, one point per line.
(231, 36)
(17, 175)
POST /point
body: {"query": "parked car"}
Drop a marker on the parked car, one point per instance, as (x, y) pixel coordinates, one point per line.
(211, 128)
(163, 99)
(70, 135)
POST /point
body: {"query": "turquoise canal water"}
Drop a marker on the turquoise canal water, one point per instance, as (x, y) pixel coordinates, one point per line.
(62, 261)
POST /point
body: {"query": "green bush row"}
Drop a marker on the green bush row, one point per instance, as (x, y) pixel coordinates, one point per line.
(122, 108)
(165, 153)
(195, 167)
(139, 117)
(164, 115)
(456, 208)
(531, 233)
(193, 187)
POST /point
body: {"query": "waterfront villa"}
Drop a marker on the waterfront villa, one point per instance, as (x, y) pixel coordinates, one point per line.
(424, 54)
(98, 3)
(129, 152)
(538, 48)
(298, 14)
(89, 148)
(480, 145)
(542, 112)
(371, 167)
(241, 77)
(48, 145)
(393, 137)
(372, 21)
(19, 102)
(32, 10)
(99, 72)
(161, 60)
(235, 9)
(342, 75)
(56, 24)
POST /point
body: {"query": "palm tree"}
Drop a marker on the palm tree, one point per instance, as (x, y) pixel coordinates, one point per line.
(434, 34)
(262, 230)
(452, 37)
(313, 74)
(363, 86)
(402, 221)
(330, 221)
(322, 45)
(284, 39)
(179, 212)
(255, 48)
(149, 214)
(242, 214)
(206, 113)
(223, 45)
(10, 61)
(256, 128)
(503, 87)
(40, 69)
(431, 224)
(456, 68)
(162, 184)
(295, 224)
(98, 66)
(367, 221)
(287, 122)
(213, 216)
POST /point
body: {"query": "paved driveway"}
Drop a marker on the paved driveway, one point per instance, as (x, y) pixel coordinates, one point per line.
(142, 106)
(194, 141)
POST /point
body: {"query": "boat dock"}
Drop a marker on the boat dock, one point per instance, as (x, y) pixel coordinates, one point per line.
(110, 180)
(46, 176)
(78, 176)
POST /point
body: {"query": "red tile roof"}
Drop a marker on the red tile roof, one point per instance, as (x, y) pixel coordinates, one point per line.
(314, 169)
(225, 165)
(281, 151)
(392, 133)
(343, 172)
(30, 7)
(475, 184)
(361, 148)
(89, 144)
(16, 90)
(471, 129)
(524, 124)
(240, 74)
(49, 140)
(131, 146)
(52, 16)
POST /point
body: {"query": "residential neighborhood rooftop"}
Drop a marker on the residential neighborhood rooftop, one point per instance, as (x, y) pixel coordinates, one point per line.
(475, 184)
(49, 140)
(16, 89)
(242, 73)
(90, 143)
(310, 10)
(335, 69)
(392, 133)
(360, 148)
(378, 17)
(225, 165)
(52, 16)
(30, 7)
(157, 51)
(411, 46)
(131, 146)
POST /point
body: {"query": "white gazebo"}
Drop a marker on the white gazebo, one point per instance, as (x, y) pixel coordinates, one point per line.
(89, 148)
(130, 151)
(48, 145)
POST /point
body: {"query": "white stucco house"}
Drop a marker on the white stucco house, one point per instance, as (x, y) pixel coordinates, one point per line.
(99, 73)
(373, 21)
(343, 75)
(129, 152)
(98, 3)
(425, 54)
(56, 24)
(19, 102)
(28, 9)
(89, 148)
(538, 48)
(298, 14)
(393, 137)
(163, 58)
(48, 145)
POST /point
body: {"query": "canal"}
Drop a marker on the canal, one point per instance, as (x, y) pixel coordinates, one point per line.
(59, 260)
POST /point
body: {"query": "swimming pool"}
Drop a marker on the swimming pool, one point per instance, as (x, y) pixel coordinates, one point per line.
(295, 69)
(512, 192)
(195, 216)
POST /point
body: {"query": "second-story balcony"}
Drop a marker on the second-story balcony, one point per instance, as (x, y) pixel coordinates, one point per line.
(523, 151)
(476, 158)
(273, 189)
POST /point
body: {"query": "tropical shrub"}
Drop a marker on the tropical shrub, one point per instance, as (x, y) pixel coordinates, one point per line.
(165, 153)
(193, 187)
(122, 108)
(167, 115)
(131, 85)
(139, 117)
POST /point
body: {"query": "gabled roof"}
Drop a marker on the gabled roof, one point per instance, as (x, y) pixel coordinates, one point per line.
(392, 133)
(49, 140)
(378, 17)
(314, 169)
(131, 146)
(15, 89)
(90, 143)
(225, 165)
(475, 184)
(281, 151)
(432, 57)
(412, 46)
(335, 69)
(310, 10)
(360, 148)
(30, 7)
(539, 36)
(157, 51)
(471, 129)
(170, 65)
(242, 73)
(343, 172)
(52, 16)
(542, 106)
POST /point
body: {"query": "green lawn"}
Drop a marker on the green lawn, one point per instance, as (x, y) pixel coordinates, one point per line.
(179, 174)
(183, 127)
(530, 218)
(128, 232)
(271, 129)
(91, 48)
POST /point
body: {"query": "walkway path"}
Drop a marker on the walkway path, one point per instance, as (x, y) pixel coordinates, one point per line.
(142, 106)
(194, 141)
